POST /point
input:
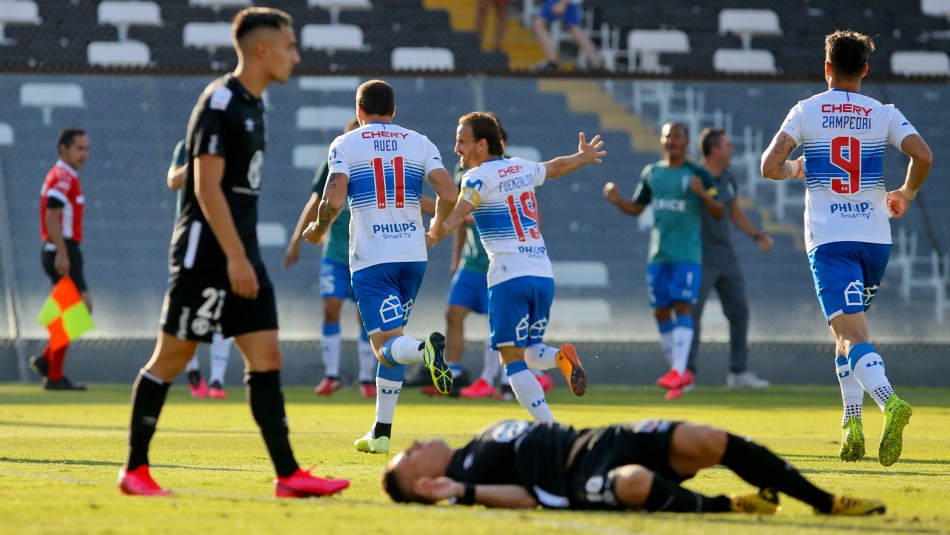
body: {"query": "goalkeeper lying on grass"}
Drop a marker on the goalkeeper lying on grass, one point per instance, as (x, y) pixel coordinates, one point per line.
(518, 464)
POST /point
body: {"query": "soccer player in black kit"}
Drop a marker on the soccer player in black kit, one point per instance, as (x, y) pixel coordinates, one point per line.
(636, 466)
(218, 281)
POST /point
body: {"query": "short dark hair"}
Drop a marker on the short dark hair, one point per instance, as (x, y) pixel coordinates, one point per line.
(501, 127)
(485, 126)
(251, 18)
(848, 52)
(709, 138)
(376, 97)
(67, 136)
(391, 486)
(681, 126)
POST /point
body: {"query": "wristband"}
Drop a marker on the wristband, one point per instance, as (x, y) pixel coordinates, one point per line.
(468, 497)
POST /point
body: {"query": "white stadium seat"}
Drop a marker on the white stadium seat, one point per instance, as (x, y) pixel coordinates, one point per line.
(935, 8)
(335, 6)
(325, 118)
(329, 83)
(125, 14)
(580, 274)
(271, 235)
(218, 4)
(532, 154)
(310, 156)
(207, 35)
(747, 23)
(644, 48)
(19, 12)
(744, 61)
(6, 134)
(422, 58)
(574, 311)
(118, 53)
(332, 37)
(52, 95)
(920, 63)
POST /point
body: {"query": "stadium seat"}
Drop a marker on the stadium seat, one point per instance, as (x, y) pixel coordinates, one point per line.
(920, 63)
(271, 235)
(574, 311)
(329, 83)
(580, 274)
(218, 4)
(422, 58)
(747, 23)
(532, 154)
(47, 96)
(936, 8)
(118, 53)
(208, 35)
(745, 61)
(20, 12)
(648, 44)
(335, 6)
(6, 134)
(324, 118)
(125, 14)
(309, 157)
(332, 37)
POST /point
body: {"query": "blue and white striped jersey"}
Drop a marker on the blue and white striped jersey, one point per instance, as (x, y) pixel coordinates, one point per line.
(506, 216)
(386, 165)
(843, 136)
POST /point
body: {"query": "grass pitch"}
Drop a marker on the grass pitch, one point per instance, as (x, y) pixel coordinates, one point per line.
(60, 452)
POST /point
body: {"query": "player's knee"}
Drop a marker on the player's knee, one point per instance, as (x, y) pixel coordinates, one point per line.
(631, 485)
(455, 315)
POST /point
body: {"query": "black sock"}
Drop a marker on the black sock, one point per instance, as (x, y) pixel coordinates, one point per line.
(148, 397)
(760, 467)
(382, 430)
(668, 496)
(194, 378)
(267, 406)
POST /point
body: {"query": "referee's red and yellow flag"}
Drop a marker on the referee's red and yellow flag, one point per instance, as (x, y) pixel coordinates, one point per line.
(64, 314)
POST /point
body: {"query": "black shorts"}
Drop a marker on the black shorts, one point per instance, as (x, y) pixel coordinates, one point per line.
(48, 258)
(602, 450)
(199, 303)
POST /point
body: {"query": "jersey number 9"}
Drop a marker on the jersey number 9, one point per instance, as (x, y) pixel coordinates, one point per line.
(850, 164)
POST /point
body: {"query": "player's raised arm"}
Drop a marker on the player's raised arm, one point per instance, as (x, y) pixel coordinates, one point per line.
(775, 164)
(586, 153)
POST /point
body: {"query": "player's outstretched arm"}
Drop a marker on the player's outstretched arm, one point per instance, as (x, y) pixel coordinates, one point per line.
(921, 160)
(467, 202)
(774, 162)
(307, 216)
(627, 206)
(586, 153)
(445, 195)
(501, 496)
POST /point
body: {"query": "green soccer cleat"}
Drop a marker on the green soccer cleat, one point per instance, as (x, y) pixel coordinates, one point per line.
(370, 444)
(852, 440)
(896, 415)
(846, 506)
(434, 358)
(764, 502)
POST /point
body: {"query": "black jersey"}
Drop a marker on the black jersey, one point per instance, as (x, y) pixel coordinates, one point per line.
(533, 455)
(229, 122)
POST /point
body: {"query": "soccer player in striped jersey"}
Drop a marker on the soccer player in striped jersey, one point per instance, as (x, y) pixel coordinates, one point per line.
(499, 193)
(378, 170)
(847, 232)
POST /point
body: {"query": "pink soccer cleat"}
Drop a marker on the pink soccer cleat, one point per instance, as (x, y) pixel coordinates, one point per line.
(139, 482)
(304, 485)
(328, 386)
(216, 390)
(200, 391)
(545, 381)
(477, 390)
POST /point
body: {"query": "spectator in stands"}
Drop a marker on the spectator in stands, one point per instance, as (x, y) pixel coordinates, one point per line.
(218, 278)
(637, 466)
(679, 191)
(61, 216)
(220, 346)
(847, 232)
(721, 264)
(379, 170)
(501, 20)
(499, 193)
(334, 288)
(569, 13)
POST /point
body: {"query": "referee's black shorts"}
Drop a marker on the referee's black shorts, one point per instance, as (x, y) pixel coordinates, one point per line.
(48, 258)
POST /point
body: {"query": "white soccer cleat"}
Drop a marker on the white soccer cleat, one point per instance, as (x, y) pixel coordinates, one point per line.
(746, 379)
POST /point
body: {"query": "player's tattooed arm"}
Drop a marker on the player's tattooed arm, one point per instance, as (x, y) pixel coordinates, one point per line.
(775, 164)
(334, 196)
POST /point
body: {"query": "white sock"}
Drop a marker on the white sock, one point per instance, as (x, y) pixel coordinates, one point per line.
(387, 394)
(682, 339)
(193, 365)
(852, 394)
(540, 357)
(405, 350)
(330, 352)
(220, 352)
(492, 366)
(368, 361)
(531, 395)
(869, 371)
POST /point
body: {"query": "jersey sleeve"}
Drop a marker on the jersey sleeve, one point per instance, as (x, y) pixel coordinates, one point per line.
(708, 181)
(538, 171)
(473, 188)
(178, 156)
(210, 133)
(792, 125)
(433, 158)
(643, 194)
(898, 127)
(320, 178)
(60, 186)
(336, 159)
